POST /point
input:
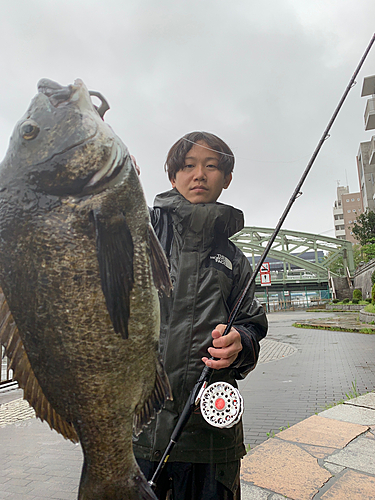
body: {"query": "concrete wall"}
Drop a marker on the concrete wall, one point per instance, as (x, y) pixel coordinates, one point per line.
(362, 278)
(366, 317)
(344, 307)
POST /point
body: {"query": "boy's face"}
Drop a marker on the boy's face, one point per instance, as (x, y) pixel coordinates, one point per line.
(200, 180)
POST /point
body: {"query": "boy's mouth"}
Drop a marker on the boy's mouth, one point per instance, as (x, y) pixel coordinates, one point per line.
(199, 188)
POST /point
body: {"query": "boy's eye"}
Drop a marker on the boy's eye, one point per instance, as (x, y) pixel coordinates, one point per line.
(188, 166)
(211, 166)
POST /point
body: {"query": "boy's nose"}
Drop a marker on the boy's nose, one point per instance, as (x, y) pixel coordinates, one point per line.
(200, 172)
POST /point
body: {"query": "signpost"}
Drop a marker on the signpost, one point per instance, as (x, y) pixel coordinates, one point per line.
(265, 274)
(265, 279)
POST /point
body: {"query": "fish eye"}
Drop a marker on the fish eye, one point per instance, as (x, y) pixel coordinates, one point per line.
(29, 130)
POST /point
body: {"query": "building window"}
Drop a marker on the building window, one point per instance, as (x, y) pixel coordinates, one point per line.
(355, 222)
(350, 221)
(358, 199)
(349, 211)
(354, 210)
(347, 199)
(352, 199)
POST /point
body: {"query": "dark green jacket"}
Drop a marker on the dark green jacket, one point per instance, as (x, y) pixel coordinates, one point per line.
(208, 273)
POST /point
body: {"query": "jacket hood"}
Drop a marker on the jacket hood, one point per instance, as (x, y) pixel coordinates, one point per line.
(225, 219)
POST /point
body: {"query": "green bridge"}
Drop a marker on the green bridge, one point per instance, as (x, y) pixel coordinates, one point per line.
(295, 273)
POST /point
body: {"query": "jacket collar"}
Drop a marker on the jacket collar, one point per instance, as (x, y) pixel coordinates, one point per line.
(216, 217)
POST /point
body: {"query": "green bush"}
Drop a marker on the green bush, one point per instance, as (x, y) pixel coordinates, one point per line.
(368, 301)
(346, 301)
(373, 293)
(335, 301)
(355, 301)
(373, 278)
(357, 294)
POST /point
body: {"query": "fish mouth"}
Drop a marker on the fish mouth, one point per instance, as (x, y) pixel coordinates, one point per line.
(56, 93)
(60, 94)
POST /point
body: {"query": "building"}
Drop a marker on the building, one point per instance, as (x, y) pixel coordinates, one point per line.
(346, 209)
(366, 173)
(366, 152)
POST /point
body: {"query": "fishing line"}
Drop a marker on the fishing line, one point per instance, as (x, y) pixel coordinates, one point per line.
(241, 157)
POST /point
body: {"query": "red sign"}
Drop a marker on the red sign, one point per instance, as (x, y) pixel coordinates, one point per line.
(265, 274)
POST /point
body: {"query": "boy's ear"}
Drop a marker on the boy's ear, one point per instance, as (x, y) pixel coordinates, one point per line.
(227, 180)
(173, 182)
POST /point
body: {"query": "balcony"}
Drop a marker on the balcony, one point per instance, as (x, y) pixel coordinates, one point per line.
(372, 151)
(370, 114)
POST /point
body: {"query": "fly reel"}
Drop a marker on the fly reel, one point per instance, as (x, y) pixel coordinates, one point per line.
(221, 405)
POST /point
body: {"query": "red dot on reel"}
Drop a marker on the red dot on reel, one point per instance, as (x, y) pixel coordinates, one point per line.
(220, 404)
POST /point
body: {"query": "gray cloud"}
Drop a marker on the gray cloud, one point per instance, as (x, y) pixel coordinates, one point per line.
(264, 76)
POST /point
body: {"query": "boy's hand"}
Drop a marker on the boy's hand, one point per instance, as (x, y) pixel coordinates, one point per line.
(225, 349)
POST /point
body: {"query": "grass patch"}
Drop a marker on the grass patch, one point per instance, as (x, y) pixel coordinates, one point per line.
(370, 308)
(359, 303)
(334, 328)
(353, 393)
(272, 434)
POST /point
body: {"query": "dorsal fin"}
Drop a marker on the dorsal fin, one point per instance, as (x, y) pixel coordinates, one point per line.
(24, 374)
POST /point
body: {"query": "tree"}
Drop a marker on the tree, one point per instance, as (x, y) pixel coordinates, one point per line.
(337, 266)
(368, 251)
(364, 228)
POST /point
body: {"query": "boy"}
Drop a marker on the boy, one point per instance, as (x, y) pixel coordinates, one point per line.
(208, 274)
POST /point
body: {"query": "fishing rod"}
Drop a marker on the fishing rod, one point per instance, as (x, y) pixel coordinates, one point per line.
(201, 384)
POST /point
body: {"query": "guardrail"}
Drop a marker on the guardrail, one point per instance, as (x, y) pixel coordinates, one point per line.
(6, 374)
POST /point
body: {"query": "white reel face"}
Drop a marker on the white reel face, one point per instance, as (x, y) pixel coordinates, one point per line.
(221, 405)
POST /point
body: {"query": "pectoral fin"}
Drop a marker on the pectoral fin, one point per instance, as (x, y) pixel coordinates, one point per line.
(154, 404)
(24, 374)
(159, 264)
(114, 245)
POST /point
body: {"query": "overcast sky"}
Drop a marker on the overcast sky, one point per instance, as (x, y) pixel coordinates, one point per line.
(264, 76)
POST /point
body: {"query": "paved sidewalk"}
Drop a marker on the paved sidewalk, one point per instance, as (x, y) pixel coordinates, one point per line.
(327, 456)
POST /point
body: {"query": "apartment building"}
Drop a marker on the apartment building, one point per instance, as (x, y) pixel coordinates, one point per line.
(346, 209)
(366, 152)
(366, 173)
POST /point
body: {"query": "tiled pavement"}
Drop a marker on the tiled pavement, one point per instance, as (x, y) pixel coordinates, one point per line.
(327, 456)
(300, 372)
(321, 371)
(36, 463)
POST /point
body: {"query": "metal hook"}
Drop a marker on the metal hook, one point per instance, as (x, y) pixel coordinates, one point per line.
(104, 105)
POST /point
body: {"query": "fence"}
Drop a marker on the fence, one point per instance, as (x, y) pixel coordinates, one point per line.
(6, 375)
(292, 305)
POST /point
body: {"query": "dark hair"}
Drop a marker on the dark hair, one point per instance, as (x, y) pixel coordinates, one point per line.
(176, 155)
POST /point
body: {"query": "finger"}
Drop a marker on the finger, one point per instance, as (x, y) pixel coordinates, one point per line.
(219, 363)
(216, 334)
(223, 353)
(232, 337)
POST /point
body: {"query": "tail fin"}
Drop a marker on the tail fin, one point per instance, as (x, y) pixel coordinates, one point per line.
(132, 486)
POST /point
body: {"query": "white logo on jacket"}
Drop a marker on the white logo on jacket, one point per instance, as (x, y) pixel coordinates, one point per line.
(221, 259)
